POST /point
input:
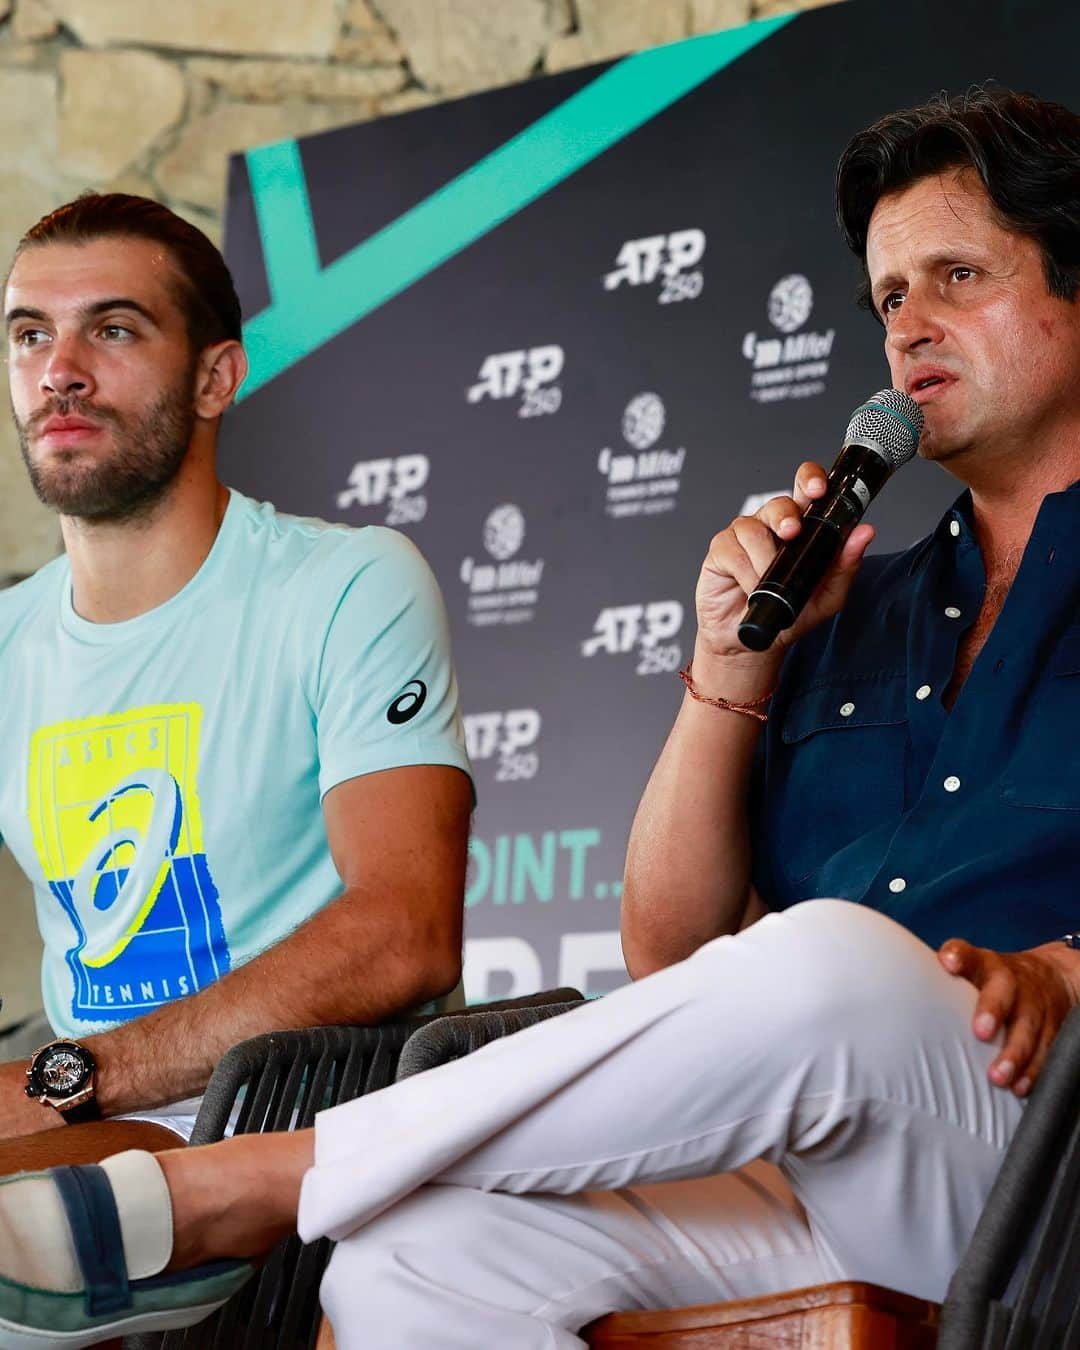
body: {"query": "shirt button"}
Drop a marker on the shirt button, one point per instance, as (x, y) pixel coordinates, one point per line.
(846, 709)
(951, 612)
(954, 528)
(897, 885)
(952, 783)
(923, 691)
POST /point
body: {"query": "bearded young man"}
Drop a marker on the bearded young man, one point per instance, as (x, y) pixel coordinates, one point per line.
(232, 758)
(795, 1090)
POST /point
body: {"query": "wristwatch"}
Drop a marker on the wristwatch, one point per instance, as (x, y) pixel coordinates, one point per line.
(61, 1075)
(1073, 940)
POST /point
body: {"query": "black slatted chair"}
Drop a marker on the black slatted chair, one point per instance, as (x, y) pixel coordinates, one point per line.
(454, 1036)
(279, 1081)
(1018, 1286)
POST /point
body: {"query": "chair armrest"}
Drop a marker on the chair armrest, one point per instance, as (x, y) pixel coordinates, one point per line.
(279, 1080)
(459, 1034)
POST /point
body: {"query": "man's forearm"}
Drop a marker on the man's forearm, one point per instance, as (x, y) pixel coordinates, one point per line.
(356, 961)
(688, 860)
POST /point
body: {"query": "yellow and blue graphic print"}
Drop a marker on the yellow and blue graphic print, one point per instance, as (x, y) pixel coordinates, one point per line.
(114, 810)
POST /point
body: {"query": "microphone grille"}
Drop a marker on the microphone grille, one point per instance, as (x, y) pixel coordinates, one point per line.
(892, 421)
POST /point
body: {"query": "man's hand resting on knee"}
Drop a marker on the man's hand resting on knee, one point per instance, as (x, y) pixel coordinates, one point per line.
(1028, 993)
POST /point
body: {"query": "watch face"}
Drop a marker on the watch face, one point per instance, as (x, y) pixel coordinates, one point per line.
(62, 1072)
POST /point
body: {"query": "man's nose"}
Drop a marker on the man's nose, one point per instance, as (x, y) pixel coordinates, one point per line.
(67, 370)
(916, 323)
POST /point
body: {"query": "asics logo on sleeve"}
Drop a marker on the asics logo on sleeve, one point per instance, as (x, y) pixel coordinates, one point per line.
(408, 703)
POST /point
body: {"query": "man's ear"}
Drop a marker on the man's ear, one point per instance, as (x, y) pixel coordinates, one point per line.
(219, 372)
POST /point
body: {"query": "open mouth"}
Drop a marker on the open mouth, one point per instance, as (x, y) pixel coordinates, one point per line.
(925, 384)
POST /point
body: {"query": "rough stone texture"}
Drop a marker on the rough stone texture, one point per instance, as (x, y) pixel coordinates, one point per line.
(767, 8)
(407, 101)
(609, 28)
(366, 49)
(706, 16)
(194, 171)
(366, 40)
(19, 54)
(113, 107)
(272, 81)
(461, 45)
(272, 28)
(29, 535)
(21, 960)
(562, 15)
(131, 180)
(33, 21)
(27, 153)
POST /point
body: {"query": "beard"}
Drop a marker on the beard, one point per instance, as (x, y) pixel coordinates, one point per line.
(127, 481)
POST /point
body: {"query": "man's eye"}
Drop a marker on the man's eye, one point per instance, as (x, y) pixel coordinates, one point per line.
(961, 273)
(28, 337)
(892, 302)
(115, 332)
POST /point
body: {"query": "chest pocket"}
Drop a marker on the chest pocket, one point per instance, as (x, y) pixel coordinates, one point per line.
(1044, 770)
(841, 770)
(845, 707)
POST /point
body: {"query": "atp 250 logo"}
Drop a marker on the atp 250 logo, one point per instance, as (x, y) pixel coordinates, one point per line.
(507, 737)
(670, 259)
(648, 629)
(393, 483)
(531, 373)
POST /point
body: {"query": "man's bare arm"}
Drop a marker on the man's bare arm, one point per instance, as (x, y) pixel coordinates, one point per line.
(687, 874)
(390, 941)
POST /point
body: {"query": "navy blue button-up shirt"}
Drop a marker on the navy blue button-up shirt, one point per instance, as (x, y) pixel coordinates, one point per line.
(961, 823)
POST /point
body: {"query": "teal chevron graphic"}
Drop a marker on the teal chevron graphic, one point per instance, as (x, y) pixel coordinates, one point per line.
(311, 304)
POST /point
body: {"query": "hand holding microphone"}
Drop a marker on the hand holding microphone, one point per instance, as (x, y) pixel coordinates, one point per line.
(771, 577)
(882, 435)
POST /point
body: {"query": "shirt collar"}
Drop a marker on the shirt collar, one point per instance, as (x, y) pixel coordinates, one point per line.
(961, 513)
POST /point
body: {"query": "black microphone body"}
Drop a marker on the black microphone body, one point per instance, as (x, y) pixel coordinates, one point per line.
(862, 468)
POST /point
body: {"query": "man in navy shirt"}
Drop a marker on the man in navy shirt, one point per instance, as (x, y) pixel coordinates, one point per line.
(797, 1092)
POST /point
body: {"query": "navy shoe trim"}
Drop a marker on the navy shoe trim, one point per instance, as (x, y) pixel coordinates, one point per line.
(88, 1200)
(176, 1278)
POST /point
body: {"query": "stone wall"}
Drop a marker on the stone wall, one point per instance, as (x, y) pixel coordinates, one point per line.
(149, 97)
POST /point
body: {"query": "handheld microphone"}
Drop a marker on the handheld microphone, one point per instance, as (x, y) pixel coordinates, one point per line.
(883, 434)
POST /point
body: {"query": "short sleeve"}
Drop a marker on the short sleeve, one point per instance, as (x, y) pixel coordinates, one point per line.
(386, 695)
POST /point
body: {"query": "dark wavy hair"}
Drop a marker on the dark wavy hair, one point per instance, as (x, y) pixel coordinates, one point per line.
(1025, 151)
(205, 291)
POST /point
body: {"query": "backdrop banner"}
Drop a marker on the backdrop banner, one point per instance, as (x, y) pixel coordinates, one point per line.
(560, 334)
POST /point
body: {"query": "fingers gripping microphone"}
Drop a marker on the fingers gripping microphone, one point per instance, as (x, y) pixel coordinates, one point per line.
(883, 434)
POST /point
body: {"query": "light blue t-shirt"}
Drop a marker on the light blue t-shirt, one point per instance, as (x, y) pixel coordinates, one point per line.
(161, 778)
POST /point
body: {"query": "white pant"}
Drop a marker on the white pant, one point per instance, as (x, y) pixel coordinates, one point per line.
(816, 1075)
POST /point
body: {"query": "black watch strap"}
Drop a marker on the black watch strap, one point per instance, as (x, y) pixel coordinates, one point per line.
(79, 1115)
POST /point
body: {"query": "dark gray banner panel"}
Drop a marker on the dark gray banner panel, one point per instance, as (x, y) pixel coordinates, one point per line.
(560, 334)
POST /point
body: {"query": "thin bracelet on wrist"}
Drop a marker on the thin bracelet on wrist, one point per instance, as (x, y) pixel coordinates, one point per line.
(751, 709)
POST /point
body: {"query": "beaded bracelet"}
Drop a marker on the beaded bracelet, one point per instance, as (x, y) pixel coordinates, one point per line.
(749, 709)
